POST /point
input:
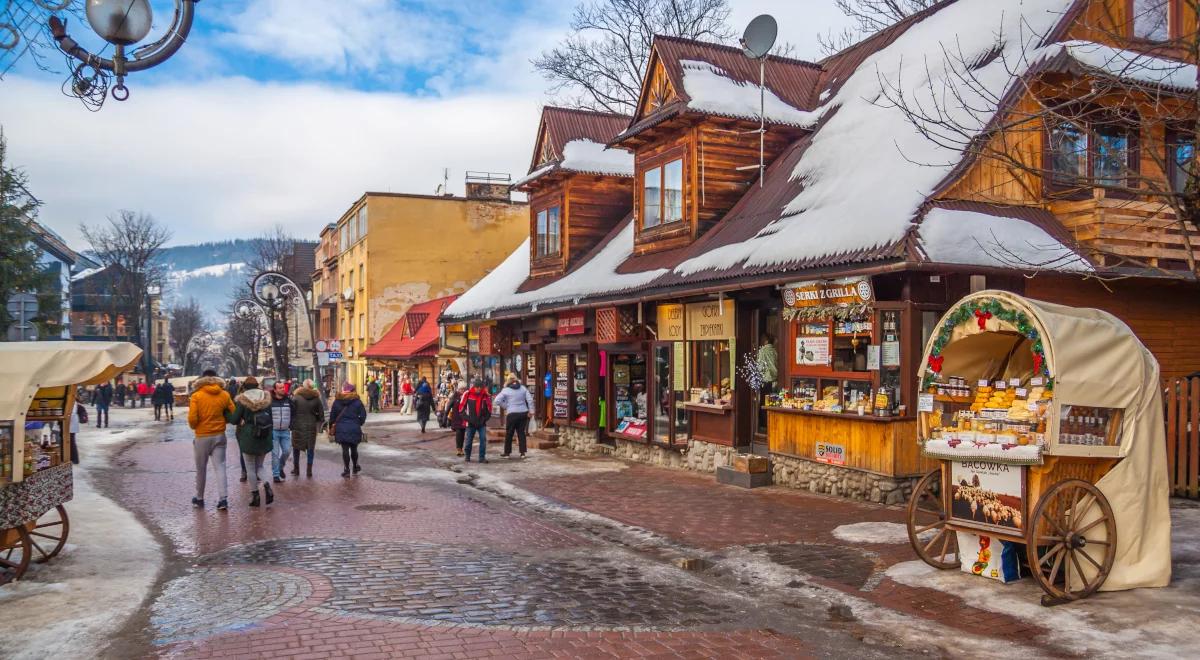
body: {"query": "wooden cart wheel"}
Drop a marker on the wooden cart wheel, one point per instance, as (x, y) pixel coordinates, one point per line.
(927, 513)
(1071, 541)
(14, 554)
(49, 535)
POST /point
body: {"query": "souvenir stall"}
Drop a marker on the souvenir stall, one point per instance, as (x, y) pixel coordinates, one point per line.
(574, 364)
(1047, 422)
(36, 407)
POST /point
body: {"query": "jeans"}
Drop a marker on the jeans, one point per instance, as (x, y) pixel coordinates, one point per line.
(482, 431)
(210, 448)
(515, 423)
(281, 447)
(253, 474)
(101, 414)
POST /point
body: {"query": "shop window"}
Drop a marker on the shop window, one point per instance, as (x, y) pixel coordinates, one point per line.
(662, 194)
(561, 402)
(630, 397)
(712, 371)
(670, 419)
(580, 390)
(1151, 19)
(548, 237)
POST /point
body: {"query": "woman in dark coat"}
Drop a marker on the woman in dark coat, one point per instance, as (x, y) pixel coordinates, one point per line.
(424, 402)
(346, 417)
(309, 415)
(456, 419)
(254, 440)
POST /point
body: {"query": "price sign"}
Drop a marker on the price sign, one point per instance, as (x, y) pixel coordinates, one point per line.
(925, 402)
(1022, 393)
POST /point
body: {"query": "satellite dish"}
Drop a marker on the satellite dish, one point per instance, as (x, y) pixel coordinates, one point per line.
(759, 38)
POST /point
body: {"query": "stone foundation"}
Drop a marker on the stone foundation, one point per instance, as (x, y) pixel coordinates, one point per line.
(843, 482)
(699, 456)
(583, 441)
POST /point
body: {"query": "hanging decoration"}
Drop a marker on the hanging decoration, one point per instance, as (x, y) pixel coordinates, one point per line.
(981, 311)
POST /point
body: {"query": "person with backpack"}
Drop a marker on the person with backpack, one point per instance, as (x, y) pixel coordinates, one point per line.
(476, 409)
(208, 409)
(347, 416)
(252, 418)
(373, 392)
(102, 400)
(283, 412)
(517, 402)
(305, 425)
(424, 402)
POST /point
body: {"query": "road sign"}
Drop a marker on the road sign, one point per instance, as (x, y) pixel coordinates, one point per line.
(334, 355)
(322, 359)
(322, 346)
(335, 345)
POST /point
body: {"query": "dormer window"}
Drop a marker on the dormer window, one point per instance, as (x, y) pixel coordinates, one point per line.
(548, 242)
(662, 194)
(1151, 19)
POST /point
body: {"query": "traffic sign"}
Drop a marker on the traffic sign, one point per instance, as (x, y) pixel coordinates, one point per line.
(335, 345)
(334, 355)
(322, 346)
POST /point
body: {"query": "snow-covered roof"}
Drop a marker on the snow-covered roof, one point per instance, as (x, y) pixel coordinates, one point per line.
(711, 90)
(1126, 65)
(971, 238)
(84, 274)
(586, 157)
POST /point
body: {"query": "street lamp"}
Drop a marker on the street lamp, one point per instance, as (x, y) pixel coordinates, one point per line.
(122, 23)
(272, 287)
(204, 336)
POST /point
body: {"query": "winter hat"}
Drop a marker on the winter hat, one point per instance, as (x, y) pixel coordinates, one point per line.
(249, 383)
(348, 387)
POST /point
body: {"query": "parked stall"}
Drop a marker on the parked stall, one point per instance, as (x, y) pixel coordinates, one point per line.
(1048, 424)
(36, 406)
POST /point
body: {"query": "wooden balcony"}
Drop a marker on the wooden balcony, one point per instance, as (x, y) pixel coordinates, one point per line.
(1128, 231)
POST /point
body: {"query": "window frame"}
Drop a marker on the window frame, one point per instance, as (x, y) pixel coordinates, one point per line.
(544, 204)
(663, 230)
(1059, 187)
(662, 218)
(1173, 20)
(1173, 137)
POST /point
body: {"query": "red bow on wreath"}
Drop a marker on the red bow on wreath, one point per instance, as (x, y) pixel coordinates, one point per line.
(1037, 363)
(935, 363)
(981, 317)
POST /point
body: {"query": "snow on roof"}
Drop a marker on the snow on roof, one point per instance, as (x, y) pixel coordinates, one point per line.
(713, 91)
(1127, 64)
(868, 169)
(980, 239)
(84, 274)
(596, 276)
(535, 174)
(595, 158)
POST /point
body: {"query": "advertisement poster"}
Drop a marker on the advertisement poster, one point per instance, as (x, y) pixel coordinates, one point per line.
(812, 351)
(621, 374)
(987, 495)
(891, 353)
(832, 454)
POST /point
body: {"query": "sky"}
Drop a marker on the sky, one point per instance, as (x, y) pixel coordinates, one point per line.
(283, 112)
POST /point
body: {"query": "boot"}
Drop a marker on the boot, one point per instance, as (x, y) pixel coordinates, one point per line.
(295, 463)
(269, 493)
(357, 469)
(346, 471)
(254, 498)
(309, 470)
(243, 479)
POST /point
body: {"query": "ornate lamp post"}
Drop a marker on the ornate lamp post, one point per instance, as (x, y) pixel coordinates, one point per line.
(272, 289)
(201, 342)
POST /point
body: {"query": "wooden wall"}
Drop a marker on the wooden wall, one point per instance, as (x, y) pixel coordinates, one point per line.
(595, 204)
(887, 448)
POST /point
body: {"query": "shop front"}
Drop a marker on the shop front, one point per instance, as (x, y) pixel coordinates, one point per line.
(842, 420)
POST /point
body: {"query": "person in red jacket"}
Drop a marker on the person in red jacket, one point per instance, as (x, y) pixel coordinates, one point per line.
(475, 409)
(144, 391)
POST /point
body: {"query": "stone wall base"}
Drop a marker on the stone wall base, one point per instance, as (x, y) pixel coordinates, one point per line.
(843, 482)
(699, 456)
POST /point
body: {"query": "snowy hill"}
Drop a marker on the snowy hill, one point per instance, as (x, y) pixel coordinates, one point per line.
(208, 272)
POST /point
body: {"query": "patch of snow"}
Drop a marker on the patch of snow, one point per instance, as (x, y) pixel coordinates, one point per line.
(979, 239)
(868, 168)
(1127, 64)
(216, 270)
(84, 274)
(534, 174)
(713, 91)
(500, 284)
(872, 532)
(593, 157)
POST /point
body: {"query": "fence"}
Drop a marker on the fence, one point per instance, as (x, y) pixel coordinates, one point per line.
(1182, 397)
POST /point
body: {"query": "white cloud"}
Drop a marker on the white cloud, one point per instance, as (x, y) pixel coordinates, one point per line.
(799, 22)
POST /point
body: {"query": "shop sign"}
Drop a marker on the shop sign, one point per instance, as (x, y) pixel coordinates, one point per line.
(827, 293)
(670, 323)
(335, 356)
(826, 452)
(570, 323)
(710, 320)
(987, 495)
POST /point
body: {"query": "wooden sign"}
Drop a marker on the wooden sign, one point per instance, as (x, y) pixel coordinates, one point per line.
(670, 323)
(710, 320)
(570, 323)
(826, 293)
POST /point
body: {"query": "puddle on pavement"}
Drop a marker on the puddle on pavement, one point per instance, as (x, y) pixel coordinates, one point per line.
(853, 568)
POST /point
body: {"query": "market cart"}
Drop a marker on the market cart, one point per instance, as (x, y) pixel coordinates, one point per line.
(1048, 422)
(36, 404)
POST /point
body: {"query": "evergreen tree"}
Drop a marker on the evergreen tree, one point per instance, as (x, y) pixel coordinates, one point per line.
(20, 271)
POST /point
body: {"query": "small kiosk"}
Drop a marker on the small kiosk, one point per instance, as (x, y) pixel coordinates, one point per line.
(36, 406)
(1048, 424)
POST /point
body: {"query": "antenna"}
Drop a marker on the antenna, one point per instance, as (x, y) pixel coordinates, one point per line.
(757, 42)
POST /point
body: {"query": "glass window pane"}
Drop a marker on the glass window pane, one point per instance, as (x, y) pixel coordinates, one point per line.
(1151, 19)
(651, 198)
(362, 221)
(1184, 156)
(553, 240)
(673, 191)
(541, 233)
(662, 393)
(1068, 153)
(1112, 156)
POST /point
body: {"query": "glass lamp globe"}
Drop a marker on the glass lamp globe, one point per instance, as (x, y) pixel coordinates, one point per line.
(270, 292)
(120, 22)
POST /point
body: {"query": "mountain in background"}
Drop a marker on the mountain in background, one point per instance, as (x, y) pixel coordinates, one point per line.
(208, 272)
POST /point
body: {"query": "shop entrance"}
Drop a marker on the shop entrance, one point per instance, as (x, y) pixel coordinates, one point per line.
(766, 341)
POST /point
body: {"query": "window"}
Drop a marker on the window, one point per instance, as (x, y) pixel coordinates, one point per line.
(1068, 153)
(352, 280)
(1181, 158)
(362, 221)
(712, 371)
(1101, 156)
(362, 326)
(662, 194)
(345, 237)
(548, 237)
(362, 278)
(1151, 19)
(1111, 159)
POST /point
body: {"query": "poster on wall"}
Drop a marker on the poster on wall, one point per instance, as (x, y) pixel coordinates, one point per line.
(812, 351)
(891, 353)
(987, 495)
(620, 374)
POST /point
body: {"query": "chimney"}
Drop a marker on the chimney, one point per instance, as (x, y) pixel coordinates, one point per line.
(489, 186)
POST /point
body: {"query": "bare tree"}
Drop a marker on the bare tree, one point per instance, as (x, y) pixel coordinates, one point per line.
(243, 337)
(869, 17)
(1102, 134)
(601, 63)
(275, 251)
(187, 324)
(23, 30)
(131, 244)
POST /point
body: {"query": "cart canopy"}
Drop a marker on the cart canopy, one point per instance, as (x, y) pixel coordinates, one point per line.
(29, 365)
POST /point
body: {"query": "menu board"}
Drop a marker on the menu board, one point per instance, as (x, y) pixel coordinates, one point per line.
(562, 386)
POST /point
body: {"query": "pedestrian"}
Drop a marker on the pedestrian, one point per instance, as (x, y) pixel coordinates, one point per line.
(144, 392)
(406, 389)
(517, 402)
(78, 419)
(119, 394)
(348, 416)
(283, 411)
(208, 408)
(373, 391)
(424, 402)
(156, 399)
(169, 399)
(309, 416)
(232, 387)
(476, 409)
(254, 424)
(104, 396)
(455, 419)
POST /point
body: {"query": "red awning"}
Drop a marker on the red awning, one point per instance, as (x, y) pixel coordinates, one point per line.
(415, 335)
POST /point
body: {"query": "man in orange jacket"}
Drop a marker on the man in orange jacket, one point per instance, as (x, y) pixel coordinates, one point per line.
(206, 415)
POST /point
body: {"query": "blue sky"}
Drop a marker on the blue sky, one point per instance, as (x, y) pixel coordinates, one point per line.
(285, 111)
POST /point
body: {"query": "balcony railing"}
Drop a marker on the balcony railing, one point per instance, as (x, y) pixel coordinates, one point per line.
(1127, 230)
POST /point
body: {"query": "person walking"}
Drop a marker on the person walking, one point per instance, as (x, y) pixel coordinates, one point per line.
(424, 402)
(104, 397)
(145, 391)
(78, 418)
(208, 409)
(347, 416)
(373, 391)
(283, 411)
(455, 418)
(168, 399)
(119, 394)
(306, 423)
(406, 389)
(476, 408)
(516, 401)
(232, 387)
(156, 400)
(254, 423)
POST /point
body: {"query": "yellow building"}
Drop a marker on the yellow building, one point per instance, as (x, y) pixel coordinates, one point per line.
(400, 249)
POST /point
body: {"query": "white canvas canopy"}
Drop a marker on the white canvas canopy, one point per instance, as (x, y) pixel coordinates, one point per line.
(29, 365)
(1095, 360)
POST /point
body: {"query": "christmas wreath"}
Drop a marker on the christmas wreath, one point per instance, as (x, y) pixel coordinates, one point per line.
(981, 311)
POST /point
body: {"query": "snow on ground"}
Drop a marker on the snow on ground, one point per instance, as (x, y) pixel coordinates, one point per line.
(216, 270)
(1142, 623)
(72, 606)
(872, 532)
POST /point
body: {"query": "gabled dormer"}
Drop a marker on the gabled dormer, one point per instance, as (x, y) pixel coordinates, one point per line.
(578, 187)
(695, 135)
